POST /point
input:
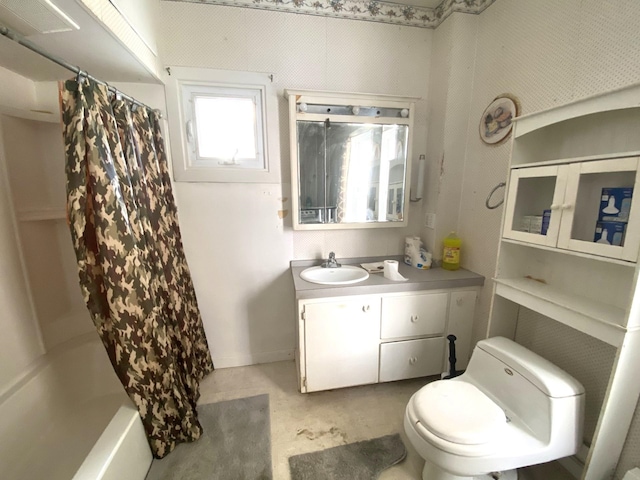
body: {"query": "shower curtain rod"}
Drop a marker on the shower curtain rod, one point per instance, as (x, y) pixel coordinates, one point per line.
(16, 37)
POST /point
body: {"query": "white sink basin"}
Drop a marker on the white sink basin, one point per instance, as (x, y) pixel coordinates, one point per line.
(343, 275)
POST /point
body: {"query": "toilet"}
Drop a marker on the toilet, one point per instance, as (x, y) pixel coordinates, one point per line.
(511, 408)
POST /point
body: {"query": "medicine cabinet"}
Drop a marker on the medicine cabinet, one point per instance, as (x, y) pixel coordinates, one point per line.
(583, 216)
(349, 159)
(579, 162)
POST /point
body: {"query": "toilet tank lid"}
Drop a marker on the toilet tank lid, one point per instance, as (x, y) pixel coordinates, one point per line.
(550, 379)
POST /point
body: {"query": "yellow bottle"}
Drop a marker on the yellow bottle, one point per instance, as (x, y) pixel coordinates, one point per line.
(451, 254)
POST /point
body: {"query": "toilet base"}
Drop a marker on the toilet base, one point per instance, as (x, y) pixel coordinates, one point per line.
(431, 472)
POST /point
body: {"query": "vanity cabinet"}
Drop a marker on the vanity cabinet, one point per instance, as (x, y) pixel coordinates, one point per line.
(561, 160)
(363, 339)
(341, 341)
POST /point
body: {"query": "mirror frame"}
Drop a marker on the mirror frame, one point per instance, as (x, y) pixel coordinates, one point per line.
(296, 97)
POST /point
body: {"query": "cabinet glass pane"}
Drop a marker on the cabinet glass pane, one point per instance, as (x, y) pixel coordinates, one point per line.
(602, 207)
(534, 195)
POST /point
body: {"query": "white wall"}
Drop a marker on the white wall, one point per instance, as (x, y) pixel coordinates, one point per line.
(237, 247)
(20, 342)
(451, 86)
(546, 53)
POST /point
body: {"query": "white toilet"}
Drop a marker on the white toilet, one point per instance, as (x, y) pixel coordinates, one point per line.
(510, 409)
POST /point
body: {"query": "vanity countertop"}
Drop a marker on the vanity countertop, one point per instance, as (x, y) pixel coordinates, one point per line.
(432, 279)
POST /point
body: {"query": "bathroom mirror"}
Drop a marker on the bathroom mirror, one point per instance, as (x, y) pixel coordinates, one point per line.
(349, 160)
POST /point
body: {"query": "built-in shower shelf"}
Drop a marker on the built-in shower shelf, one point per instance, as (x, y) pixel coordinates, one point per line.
(594, 318)
(38, 214)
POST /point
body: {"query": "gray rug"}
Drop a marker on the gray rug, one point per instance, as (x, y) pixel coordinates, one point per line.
(355, 461)
(236, 444)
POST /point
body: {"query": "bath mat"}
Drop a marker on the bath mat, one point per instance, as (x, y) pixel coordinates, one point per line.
(355, 461)
(236, 444)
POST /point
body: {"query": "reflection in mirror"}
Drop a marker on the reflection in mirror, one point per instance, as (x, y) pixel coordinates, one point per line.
(351, 172)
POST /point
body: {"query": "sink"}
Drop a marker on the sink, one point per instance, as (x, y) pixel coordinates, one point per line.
(334, 276)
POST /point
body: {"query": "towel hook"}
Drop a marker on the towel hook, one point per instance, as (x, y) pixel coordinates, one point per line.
(494, 190)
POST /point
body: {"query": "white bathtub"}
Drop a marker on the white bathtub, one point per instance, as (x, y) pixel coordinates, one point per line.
(69, 418)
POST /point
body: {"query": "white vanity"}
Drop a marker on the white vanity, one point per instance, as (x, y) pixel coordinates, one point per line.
(379, 330)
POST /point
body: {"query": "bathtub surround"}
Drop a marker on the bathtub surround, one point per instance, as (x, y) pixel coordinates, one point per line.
(132, 269)
(236, 443)
(51, 435)
(366, 459)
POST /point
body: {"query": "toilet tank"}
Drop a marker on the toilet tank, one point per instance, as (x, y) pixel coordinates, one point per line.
(530, 389)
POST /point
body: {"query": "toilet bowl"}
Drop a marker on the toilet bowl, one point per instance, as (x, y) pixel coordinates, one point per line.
(510, 409)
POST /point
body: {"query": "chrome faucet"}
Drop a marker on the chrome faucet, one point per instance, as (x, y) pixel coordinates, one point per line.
(331, 263)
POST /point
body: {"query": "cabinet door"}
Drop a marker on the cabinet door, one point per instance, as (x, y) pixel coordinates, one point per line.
(411, 359)
(462, 307)
(414, 315)
(531, 192)
(599, 215)
(341, 343)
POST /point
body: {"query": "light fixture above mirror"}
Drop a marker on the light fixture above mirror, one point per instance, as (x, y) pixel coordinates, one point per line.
(349, 159)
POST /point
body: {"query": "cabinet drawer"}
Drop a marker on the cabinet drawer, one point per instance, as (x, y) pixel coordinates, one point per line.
(411, 358)
(414, 315)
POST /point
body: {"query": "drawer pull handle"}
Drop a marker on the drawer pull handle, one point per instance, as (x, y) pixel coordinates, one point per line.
(412, 360)
(459, 302)
(365, 308)
(414, 318)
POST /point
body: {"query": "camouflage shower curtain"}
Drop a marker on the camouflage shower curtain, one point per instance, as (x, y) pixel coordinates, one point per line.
(131, 263)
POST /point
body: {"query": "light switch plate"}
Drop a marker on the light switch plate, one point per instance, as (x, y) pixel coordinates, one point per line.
(430, 220)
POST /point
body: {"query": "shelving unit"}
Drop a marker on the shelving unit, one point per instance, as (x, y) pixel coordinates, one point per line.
(561, 159)
(582, 313)
(32, 160)
(38, 214)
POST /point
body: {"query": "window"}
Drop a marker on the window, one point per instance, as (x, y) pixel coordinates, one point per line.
(221, 126)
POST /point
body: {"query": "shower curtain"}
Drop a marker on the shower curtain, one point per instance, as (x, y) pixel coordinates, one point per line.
(131, 263)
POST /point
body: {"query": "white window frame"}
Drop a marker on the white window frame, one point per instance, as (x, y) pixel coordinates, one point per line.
(181, 85)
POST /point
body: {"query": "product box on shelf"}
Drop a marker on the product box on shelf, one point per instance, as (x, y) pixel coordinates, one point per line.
(524, 224)
(535, 224)
(546, 218)
(615, 204)
(610, 233)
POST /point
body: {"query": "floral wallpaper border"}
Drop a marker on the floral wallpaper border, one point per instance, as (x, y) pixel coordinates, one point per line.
(369, 10)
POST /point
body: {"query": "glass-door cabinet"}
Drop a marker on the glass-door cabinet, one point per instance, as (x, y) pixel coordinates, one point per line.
(584, 206)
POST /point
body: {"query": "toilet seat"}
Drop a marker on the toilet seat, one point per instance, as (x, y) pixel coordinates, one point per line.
(458, 416)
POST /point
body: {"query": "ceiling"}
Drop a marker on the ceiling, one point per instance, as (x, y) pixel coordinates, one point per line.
(91, 47)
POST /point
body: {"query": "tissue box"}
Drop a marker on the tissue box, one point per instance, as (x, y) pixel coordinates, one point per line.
(535, 224)
(615, 204)
(610, 233)
(524, 224)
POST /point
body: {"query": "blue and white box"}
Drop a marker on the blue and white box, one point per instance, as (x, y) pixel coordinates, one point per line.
(610, 233)
(546, 218)
(615, 204)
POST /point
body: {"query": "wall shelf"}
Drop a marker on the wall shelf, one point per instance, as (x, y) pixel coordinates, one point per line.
(584, 314)
(38, 214)
(585, 158)
(599, 258)
(36, 115)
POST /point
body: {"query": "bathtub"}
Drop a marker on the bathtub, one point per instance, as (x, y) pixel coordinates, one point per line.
(69, 418)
